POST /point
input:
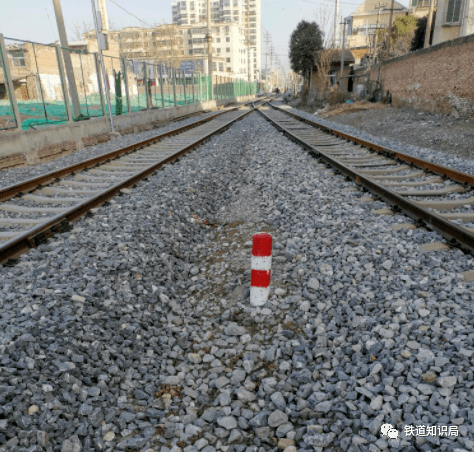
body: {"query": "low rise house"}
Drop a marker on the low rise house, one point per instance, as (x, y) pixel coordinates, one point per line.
(333, 67)
(454, 19)
(421, 8)
(367, 18)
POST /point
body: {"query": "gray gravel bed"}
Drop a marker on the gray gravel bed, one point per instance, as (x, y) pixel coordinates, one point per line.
(463, 161)
(134, 332)
(16, 175)
(445, 197)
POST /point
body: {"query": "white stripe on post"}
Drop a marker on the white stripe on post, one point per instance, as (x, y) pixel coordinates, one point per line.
(261, 264)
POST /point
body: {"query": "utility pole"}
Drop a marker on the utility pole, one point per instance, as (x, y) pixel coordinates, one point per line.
(336, 13)
(387, 42)
(248, 39)
(209, 39)
(378, 8)
(343, 23)
(267, 40)
(271, 59)
(340, 33)
(428, 25)
(104, 75)
(76, 106)
(103, 13)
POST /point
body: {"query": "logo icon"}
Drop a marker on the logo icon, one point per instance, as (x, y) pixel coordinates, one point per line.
(388, 430)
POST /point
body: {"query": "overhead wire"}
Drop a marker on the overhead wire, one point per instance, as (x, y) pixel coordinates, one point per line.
(330, 3)
(50, 23)
(133, 15)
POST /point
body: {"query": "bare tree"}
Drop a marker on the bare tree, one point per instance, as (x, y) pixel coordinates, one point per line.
(78, 29)
(161, 43)
(324, 16)
(323, 63)
(166, 44)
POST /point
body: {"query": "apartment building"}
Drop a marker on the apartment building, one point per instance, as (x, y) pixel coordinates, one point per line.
(163, 44)
(244, 13)
(228, 48)
(185, 47)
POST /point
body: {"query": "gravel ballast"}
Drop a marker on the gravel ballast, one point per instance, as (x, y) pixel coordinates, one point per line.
(134, 331)
(16, 175)
(435, 138)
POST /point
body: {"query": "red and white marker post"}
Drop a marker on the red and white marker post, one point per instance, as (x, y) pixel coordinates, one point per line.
(261, 265)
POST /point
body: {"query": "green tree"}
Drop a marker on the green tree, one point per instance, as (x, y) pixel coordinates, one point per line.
(305, 41)
(403, 30)
(418, 41)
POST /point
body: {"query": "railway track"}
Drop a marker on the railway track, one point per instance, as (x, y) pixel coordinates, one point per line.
(138, 326)
(33, 210)
(433, 195)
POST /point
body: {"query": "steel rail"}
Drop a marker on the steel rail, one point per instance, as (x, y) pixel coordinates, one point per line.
(396, 155)
(32, 237)
(453, 233)
(11, 191)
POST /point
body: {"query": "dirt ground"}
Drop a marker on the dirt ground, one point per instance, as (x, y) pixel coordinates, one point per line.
(433, 131)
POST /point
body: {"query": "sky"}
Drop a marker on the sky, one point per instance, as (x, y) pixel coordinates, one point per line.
(34, 20)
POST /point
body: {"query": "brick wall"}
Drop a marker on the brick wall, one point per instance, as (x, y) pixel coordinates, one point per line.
(437, 79)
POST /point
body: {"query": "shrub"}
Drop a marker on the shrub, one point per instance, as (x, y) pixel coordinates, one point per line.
(304, 94)
(337, 96)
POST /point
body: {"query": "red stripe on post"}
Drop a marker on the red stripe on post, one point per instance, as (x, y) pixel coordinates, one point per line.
(262, 244)
(260, 278)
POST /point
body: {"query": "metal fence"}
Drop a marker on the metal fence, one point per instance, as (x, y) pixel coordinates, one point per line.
(36, 85)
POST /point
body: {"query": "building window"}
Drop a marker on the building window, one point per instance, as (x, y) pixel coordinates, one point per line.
(454, 11)
(18, 58)
(218, 39)
(227, 49)
(228, 60)
(219, 50)
(227, 39)
(221, 67)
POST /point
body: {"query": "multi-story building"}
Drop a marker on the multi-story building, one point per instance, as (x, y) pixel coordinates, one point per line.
(162, 44)
(245, 13)
(228, 48)
(185, 47)
(188, 12)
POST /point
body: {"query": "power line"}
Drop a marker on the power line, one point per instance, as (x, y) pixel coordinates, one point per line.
(319, 3)
(136, 17)
(50, 23)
